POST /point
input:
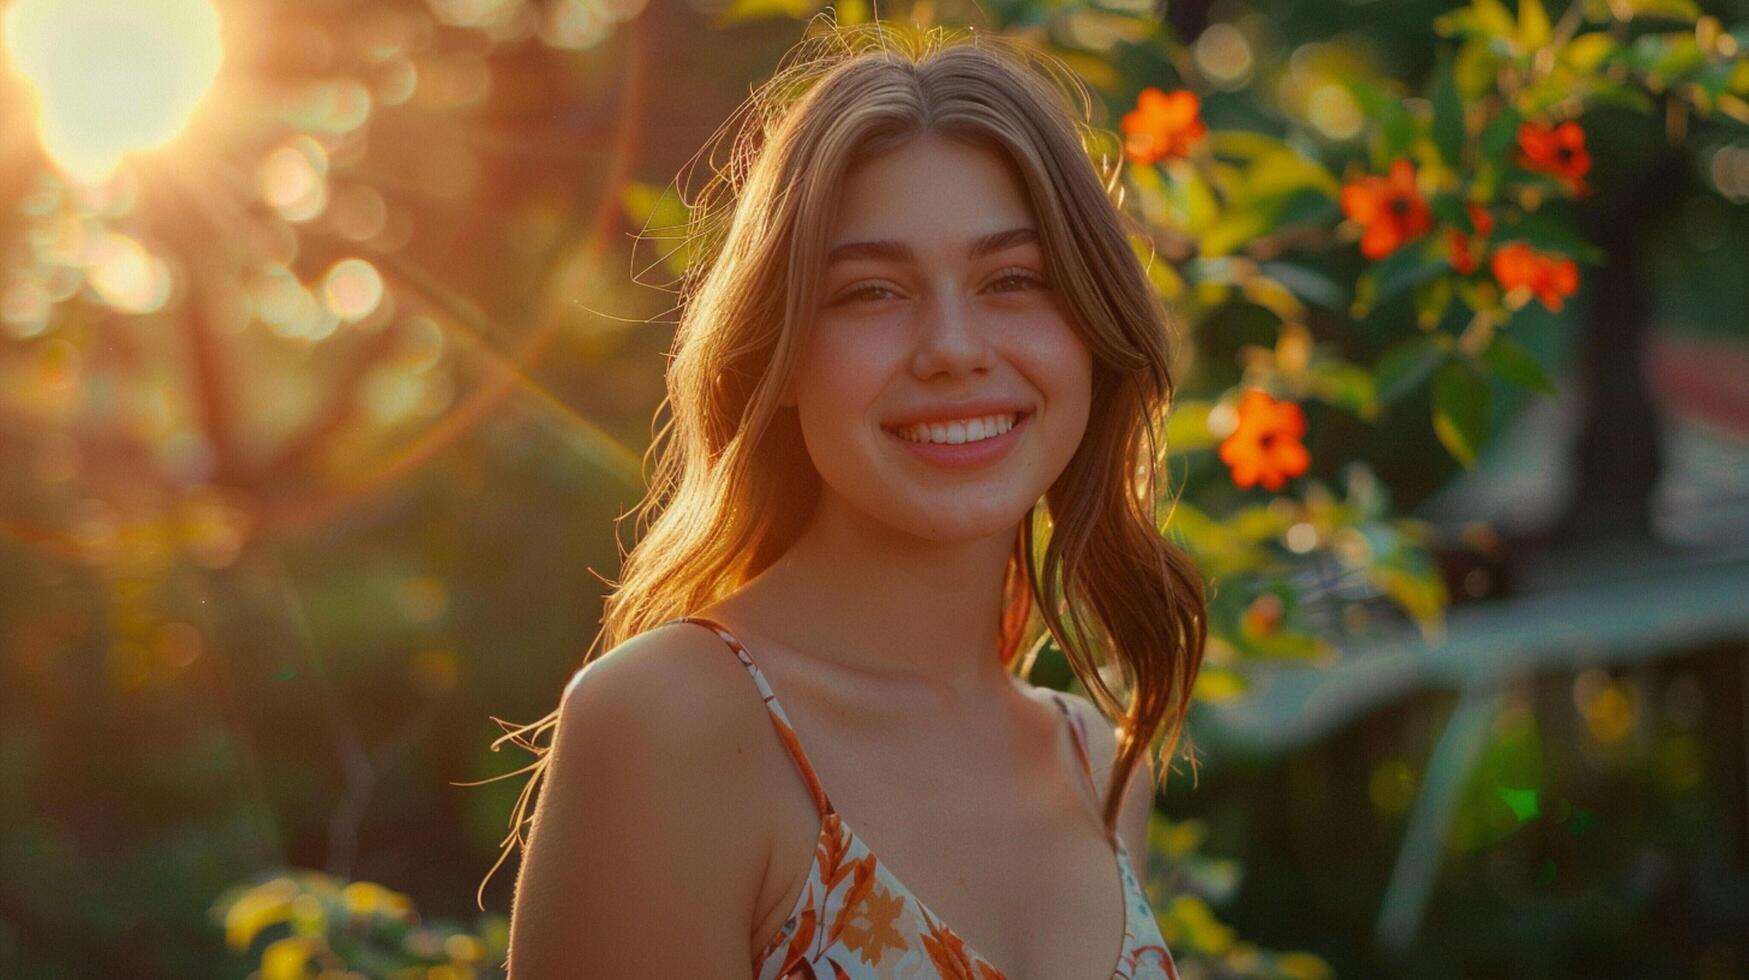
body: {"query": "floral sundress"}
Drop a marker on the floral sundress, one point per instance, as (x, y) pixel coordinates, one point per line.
(855, 920)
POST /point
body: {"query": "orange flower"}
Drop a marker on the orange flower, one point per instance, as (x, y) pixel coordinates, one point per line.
(1265, 447)
(1389, 208)
(1550, 277)
(1463, 259)
(1558, 150)
(868, 928)
(1163, 124)
(1262, 616)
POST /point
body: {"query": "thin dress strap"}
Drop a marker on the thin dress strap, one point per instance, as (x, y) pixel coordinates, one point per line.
(779, 720)
(1078, 735)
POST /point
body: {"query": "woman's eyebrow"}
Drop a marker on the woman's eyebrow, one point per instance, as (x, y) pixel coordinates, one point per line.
(900, 252)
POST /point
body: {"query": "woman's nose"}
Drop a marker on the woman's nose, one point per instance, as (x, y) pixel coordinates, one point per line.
(950, 337)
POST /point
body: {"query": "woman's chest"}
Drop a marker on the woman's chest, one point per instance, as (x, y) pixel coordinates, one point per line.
(1007, 855)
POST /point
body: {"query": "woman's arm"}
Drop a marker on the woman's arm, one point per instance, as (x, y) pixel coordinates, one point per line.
(640, 861)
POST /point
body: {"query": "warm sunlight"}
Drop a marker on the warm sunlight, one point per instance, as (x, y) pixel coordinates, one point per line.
(112, 76)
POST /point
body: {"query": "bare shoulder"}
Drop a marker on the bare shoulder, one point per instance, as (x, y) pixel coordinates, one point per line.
(674, 666)
(648, 816)
(678, 693)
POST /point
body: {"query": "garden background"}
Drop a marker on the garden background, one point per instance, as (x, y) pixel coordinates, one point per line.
(331, 334)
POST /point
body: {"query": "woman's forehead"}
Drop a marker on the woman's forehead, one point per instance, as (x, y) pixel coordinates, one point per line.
(930, 193)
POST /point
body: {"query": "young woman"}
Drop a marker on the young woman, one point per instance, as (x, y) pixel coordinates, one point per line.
(916, 395)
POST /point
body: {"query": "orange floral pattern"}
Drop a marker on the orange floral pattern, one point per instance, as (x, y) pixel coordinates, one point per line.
(1549, 277)
(1162, 125)
(1467, 249)
(1265, 446)
(855, 920)
(1558, 150)
(1391, 210)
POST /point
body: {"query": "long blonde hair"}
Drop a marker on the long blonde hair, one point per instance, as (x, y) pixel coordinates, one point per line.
(733, 484)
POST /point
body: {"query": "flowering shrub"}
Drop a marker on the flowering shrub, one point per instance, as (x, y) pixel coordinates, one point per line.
(1423, 211)
(1348, 196)
(307, 924)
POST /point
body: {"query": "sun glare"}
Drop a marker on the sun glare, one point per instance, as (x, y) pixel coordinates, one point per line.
(112, 76)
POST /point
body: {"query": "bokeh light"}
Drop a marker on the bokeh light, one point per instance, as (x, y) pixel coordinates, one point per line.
(127, 276)
(293, 178)
(1224, 55)
(353, 289)
(112, 76)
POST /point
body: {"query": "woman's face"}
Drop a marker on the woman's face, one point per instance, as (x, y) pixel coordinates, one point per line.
(917, 322)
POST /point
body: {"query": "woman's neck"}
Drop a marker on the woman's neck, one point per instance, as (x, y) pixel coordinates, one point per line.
(902, 609)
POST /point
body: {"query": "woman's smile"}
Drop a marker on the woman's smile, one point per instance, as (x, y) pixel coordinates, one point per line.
(972, 453)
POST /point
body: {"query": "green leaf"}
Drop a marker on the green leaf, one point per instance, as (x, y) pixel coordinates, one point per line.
(1396, 125)
(287, 958)
(1585, 52)
(1510, 360)
(1286, 171)
(1475, 69)
(1233, 229)
(1450, 209)
(1681, 55)
(1345, 385)
(1243, 223)
(1287, 644)
(1244, 144)
(1187, 427)
(1501, 134)
(1493, 17)
(1193, 200)
(1307, 206)
(1460, 410)
(1402, 367)
(264, 905)
(1215, 685)
(1416, 588)
(1096, 69)
(1522, 801)
(1448, 117)
(1533, 25)
(1548, 235)
(1685, 10)
(1310, 285)
(1622, 96)
(1432, 299)
(1414, 263)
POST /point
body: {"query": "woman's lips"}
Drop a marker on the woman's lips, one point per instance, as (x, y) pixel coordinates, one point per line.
(966, 455)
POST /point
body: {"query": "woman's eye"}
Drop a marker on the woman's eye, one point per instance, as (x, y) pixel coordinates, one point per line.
(1021, 277)
(861, 291)
(875, 291)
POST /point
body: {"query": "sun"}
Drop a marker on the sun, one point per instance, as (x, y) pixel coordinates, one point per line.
(112, 76)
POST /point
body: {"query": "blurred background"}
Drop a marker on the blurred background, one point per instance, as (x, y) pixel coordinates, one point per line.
(331, 335)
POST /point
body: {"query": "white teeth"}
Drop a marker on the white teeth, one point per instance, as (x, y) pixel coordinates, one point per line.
(960, 431)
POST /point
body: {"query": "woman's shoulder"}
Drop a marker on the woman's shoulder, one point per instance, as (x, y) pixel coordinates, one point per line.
(677, 673)
(674, 709)
(623, 838)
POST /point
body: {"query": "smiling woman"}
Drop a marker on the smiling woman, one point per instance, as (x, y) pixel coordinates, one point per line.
(916, 391)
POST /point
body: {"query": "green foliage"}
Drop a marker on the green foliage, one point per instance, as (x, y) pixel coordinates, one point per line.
(1460, 409)
(301, 923)
(1185, 885)
(1263, 241)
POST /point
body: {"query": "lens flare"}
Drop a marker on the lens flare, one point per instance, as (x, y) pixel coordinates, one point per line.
(112, 76)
